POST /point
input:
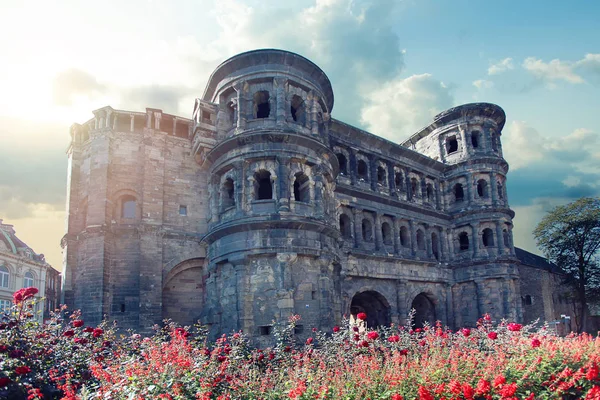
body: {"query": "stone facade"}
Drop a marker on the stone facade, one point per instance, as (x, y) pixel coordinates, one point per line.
(21, 267)
(262, 206)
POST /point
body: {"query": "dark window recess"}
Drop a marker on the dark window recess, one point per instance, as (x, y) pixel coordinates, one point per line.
(404, 236)
(459, 193)
(500, 191)
(386, 233)
(313, 295)
(206, 117)
(398, 180)
(463, 241)
(302, 188)
(343, 163)
(414, 185)
(367, 230)
(435, 246)
(183, 210)
(475, 139)
(228, 193)
(262, 107)
(381, 175)
(505, 237)
(420, 240)
(487, 237)
(297, 109)
(362, 170)
(264, 190)
(527, 300)
(451, 145)
(265, 330)
(429, 193)
(298, 329)
(122, 307)
(128, 207)
(345, 226)
(482, 188)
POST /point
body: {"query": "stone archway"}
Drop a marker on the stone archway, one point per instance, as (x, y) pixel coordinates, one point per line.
(374, 305)
(183, 292)
(424, 311)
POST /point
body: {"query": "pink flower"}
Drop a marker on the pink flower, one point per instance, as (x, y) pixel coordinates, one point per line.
(493, 335)
(364, 343)
(394, 339)
(372, 335)
(535, 342)
(362, 316)
(78, 323)
(97, 332)
(487, 317)
(336, 329)
(514, 327)
(24, 294)
(309, 340)
(68, 333)
(396, 396)
(466, 332)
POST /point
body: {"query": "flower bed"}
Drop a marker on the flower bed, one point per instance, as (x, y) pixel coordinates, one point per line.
(66, 359)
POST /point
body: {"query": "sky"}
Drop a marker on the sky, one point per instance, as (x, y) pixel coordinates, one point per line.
(393, 66)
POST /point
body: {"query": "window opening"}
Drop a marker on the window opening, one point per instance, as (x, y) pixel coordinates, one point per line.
(451, 145)
(500, 191)
(435, 246)
(265, 330)
(488, 237)
(414, 184)
(265, 186)
(228, 193)
(362, 170)
(28, 280)
(398, 180)
(128, 207)
(463, 241)
(343, 163)
(482, 187)
(297, 109)
(420, 240)
(302, 188)
(4, 275)
(183, 210)
(122, 307)
(386, 233)
(345, 226)
(367, 230)
(404, 236)
(527, 300)
(262, 107)
(475, 139)
(430, 193)
(381, 175)
(459, 193)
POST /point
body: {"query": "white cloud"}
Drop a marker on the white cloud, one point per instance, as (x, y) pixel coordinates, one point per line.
(552, 71)
(522, 144)
(590, 63)
(483, 84)
(398, 108)
(501, 66)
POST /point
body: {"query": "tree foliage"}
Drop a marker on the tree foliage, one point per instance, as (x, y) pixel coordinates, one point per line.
(569, 235)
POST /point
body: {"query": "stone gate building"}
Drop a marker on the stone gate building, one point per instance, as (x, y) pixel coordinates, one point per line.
(262, 205)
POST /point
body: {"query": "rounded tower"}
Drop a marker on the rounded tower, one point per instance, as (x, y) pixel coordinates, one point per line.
(271, 233)
(467, 139)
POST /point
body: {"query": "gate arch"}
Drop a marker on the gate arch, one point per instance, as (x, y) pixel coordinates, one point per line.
(183, 292)
(374, 304)
(424, 311)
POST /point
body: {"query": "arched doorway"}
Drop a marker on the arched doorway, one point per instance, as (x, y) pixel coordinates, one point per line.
(374, 305)
(424, 311)
(183, 292)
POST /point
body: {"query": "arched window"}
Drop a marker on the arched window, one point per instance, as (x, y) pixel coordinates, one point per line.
(463, 241)
(297, 109)
(505, 237)
(451, 145)
(404, 241)
(386, 233)
(264, 186)
(28, 280)
(302, 188)
(363, 170)
(420, 240)
(430, 193)
(475, 139)
(459, 193)
(128, 207)
(343, 163)
(399, 180)
(494, 143)
(228, 194)
(262, 107)
(487, 237)
(381, 175)
(231, 114)
(345, 226)
(435, 246)
(414, 185)
(482, 188)
(527, 300)
(500, 190)
(367, 230)
(4, 275)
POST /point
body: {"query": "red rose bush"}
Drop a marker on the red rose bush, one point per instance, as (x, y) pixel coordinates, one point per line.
(65, 359)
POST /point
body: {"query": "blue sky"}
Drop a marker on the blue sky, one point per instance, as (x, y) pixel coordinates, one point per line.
(393, 65)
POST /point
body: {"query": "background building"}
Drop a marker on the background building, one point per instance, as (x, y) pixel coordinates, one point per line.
(21, 267)
(262, 205)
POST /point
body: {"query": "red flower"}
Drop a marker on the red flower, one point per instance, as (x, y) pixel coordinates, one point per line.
(396, 396)
(468, 391)
(372, 335)
(455, 387)
(592, 372)
(364, 343)
(78, 323)
(356, 337)
(336, 329)
(593, 394)
(79, 340)
(68, 333)
(287, 349)
(466, 332)
(509, 390)
(4, 381)
(499, 381)
(309, 340)
(97, 332)
(355, 329)
(314, 329)
(394, 339)
(487, 317)
(22, 370)
(424, 394)
(221, 358)
(535, 342)
(3, 348)
(483, 387)
(493, 335)
(514, 327)
(88, 329)
(362, 316)
(403, 352)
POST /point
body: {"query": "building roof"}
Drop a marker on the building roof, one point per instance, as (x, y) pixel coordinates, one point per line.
(533, 260)
(9, 242)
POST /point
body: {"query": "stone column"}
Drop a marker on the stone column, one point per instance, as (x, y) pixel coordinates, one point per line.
(401, 293)
(282, 106)
(450, 239)
(413, 238)
(450, 320)
(494, 188)
(443, 240)
(314, 117)
(285, 192)
(373, 172)
(241, 106)
(438, 197)
(378, 233)
(476, 240)
(499, 238)
(391, 178)
(470, 191)
(409, 192)
(358, 217)
(239, 185)
(353, 171)
(463, 139)
(428, 243)
(131, 122)
(175, 125)
(396, 230)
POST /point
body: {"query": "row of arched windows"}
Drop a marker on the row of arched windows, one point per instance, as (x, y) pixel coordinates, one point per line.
(261, 108)
(28, 278)
(482, 191)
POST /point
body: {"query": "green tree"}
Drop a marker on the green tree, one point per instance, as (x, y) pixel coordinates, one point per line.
(569, 235)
